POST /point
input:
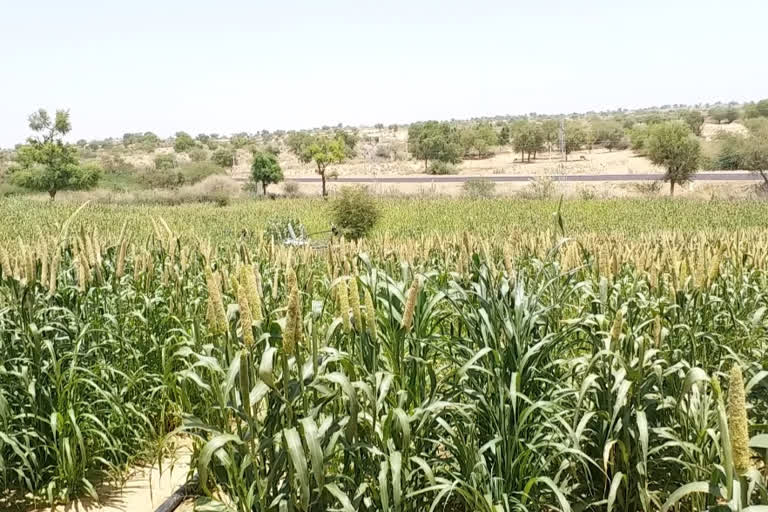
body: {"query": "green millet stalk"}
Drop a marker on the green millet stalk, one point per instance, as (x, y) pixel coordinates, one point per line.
(370, 315)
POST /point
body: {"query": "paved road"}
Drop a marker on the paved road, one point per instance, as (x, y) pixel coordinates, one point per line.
(708, 176)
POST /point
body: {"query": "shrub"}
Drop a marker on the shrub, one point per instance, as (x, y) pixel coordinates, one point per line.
(223, 157)
(383, 151)
(441, 168)
(212, 189)
(587, 193)
(9, 189)
(648, 187)
(541, 187)
(291, 189)
(355, 212)
(161, 178)
(186, 174)
(183, 142)
(165, 161)
(197, 171)
(198, 155)
(479, 188)
(113, 164)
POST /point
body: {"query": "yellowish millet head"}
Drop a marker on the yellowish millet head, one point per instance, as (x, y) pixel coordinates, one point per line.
(354, 302)
(738, 424)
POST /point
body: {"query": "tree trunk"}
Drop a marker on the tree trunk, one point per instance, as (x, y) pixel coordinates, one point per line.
(52, 193)
(264, 187)
(763, 175)
(322, 177)
(425, 165)
(671, 188)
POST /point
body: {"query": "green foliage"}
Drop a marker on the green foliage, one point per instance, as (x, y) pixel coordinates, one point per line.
(178, 175)
(724, 113)
(147, 141)
(638, 135)
(478, 138)
(672, 146)
(165, 161)
(198, 155)
(479, 188)
(265, 170)
(240, 140)
(47, 163)
(462, 373)
(355, 212)
(731, 152)
(759, 109)
(505, 135)
(748, 153)
(694, 119)
(183, 142)
(442, 168)
(575, 137)
(322, 150)
(284, 227)
(223, 157)
(432, 140)
(609, 134)
(528, 138)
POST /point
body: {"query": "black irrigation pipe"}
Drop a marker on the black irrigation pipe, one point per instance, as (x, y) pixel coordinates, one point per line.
(185, 491)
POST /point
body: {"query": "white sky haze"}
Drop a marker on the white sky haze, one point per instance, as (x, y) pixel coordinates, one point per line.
(230, 66)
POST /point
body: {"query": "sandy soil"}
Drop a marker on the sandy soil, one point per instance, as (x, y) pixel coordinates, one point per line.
(710, 130)
(145, 490)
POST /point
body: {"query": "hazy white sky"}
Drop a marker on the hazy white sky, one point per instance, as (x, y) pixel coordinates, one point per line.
(229, 66)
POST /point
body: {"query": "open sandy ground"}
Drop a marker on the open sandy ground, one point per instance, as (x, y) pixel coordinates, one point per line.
(145, 490)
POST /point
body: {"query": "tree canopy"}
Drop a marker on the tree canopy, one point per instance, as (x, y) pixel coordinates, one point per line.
(265, 169)
(672, 146)
(323, 150)
(433, 140)
(47, 163)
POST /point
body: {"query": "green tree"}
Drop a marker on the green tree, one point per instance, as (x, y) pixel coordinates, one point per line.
(223, 157)
(762, 107)
(551, 130)
(756, 155)
(504, 135)
(265, 170)
(751, 111)
(432, 140)
(637, 136)
(183, 142)
(47, 163)
(575, 137)
(608, 133)
(322, 150)
(528, 138)
(672, 146)
(694, 119)
(479, 137)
